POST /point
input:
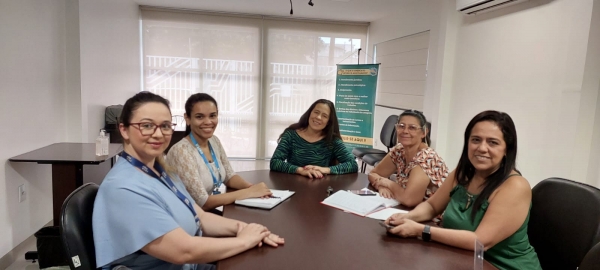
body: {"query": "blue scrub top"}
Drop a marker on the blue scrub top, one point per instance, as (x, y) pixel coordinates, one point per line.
(131, 210)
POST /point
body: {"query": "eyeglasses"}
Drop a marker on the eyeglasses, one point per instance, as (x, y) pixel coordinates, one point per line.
(149, 128)
(411, 128)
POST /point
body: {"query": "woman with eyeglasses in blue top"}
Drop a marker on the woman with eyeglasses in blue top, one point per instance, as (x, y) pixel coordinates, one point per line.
(419, 170)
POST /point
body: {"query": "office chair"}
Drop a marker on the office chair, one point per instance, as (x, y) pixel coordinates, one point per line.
(76, 227)
(387, 131)
(564, 222)
(374, 159)
(591, 261)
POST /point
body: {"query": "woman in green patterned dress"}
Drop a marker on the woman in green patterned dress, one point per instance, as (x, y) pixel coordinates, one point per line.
(313, 147)
(484, 199)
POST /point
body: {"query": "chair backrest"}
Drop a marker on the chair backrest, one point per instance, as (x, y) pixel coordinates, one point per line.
(564, 223)
(388, 132)
(76, 227)
(591, 261)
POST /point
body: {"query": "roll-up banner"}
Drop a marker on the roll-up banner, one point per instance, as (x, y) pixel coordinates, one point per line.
(355, 103)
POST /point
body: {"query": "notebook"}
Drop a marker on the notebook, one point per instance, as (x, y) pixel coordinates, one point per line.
(281, 195)
(358, 205)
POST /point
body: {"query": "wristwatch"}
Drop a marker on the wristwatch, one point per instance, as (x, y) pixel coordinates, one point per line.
(426, 236)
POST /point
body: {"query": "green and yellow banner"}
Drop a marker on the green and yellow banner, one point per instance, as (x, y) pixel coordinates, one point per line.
(355, 103)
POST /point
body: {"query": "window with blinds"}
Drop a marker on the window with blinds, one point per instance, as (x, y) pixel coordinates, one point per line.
(263, 72)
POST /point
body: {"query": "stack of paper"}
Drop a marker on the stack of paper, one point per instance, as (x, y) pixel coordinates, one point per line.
(277, 197)
(359, 205)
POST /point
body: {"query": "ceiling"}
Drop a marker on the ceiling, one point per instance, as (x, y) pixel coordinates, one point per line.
(339, 10)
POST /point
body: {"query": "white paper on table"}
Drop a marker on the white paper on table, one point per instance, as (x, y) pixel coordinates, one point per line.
(353, 203)
(382, 200)
(269, 203)
(385, 213)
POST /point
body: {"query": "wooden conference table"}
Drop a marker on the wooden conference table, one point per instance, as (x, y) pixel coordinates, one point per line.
(321, 237)
(67, 161)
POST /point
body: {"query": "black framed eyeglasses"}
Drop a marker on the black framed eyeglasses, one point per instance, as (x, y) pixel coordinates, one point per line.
(149, 128)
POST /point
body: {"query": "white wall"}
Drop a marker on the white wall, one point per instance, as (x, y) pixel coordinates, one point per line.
(416, 17)
(528, 60)
(537, 61)
(110, 59)
(591, 84)
(32, 74)
(62, 62)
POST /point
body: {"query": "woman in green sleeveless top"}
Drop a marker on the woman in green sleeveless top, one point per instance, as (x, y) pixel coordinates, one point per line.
(485, 198)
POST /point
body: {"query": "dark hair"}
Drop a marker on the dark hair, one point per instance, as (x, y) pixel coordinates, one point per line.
(132, 104)
(191, 101)
(139, 99)
(331, 130)
(422, 122)
(465, 170)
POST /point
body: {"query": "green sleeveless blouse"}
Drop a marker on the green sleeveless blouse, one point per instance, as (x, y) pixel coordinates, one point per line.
(514, 252)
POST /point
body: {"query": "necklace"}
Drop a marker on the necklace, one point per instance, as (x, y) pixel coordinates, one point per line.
(469, 199)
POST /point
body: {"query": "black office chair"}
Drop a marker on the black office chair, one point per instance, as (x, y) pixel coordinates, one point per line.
(591, 261)
(564, 223)
(386, 134)
(76, 227)
(374, 159)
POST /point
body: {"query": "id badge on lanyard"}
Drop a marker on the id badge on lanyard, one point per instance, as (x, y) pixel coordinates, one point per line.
(216, 181)
(165, 180)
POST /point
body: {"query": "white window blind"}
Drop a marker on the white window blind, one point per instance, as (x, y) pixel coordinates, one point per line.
(301, 68)
(264, 73)
(403, 71)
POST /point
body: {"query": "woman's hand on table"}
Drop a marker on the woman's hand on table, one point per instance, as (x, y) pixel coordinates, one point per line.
(405, 227)
(322, 170)
(259, 190)
(273, 240)
(252, 234)
(386, 193)
(393, 219)
(384, 183)
(309, 173)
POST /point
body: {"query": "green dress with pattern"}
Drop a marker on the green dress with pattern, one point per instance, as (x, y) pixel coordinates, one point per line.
(514, 252)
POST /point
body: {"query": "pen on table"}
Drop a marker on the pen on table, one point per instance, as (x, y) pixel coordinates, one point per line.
(274, 197)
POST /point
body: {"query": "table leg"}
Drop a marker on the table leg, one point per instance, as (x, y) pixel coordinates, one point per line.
(65, 179)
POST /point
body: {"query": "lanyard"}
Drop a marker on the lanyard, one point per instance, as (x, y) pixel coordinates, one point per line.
(216, 184)
(166, 180)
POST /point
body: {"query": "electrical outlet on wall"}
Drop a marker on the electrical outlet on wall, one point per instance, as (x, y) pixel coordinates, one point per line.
(22, 193)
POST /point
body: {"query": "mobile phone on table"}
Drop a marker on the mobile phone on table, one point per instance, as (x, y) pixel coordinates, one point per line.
(364, 192)
(386, 226)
